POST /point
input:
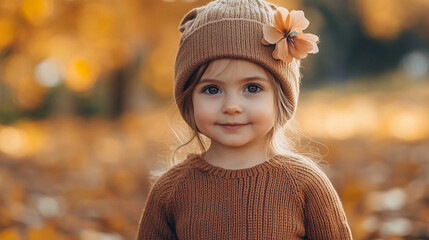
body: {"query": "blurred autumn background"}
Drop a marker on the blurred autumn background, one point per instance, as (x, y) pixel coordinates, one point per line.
(86, 94)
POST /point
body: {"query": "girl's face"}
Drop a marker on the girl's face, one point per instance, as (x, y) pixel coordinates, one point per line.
(234, 103)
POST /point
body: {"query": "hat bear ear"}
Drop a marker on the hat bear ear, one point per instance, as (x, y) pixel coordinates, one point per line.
(274, 7)
(188, 19)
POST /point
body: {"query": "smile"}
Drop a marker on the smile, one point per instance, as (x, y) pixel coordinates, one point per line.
(232, 126)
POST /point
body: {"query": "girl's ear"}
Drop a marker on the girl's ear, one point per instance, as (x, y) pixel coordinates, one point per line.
(188, 19)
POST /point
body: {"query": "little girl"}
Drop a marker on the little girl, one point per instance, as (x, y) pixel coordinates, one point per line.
(237, 82)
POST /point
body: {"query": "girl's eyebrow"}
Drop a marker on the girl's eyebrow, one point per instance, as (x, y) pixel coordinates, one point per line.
(247, 79)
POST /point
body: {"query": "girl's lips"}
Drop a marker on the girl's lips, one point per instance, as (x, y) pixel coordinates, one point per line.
(232, 126)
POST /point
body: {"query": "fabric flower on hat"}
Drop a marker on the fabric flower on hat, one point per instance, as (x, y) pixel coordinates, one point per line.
(288, 37)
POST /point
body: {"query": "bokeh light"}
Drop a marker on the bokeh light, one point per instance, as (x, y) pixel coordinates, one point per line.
(49, 73)
(12, 141)
(37, 11)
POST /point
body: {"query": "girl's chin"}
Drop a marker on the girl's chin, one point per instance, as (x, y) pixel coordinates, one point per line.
(239, 143)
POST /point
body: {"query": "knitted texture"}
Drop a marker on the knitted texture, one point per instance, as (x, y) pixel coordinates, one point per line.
(231, 29)
(278, 199)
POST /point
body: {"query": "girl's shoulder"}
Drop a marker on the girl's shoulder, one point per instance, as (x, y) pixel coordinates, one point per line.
(164, 184)
(174, 173)
(298, 164)
(306, 173)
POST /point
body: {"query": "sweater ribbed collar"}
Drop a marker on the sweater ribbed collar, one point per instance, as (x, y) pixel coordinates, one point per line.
(262, 168)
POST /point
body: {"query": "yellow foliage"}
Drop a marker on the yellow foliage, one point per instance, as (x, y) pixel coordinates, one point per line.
(10, 234)
(81, 74)
(6, 32)
(43, 233)
(37, 11)
(382, 18)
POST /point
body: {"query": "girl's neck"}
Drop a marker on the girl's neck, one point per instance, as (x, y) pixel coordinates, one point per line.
(235, 158)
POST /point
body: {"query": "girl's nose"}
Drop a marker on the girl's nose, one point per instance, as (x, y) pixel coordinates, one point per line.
(232, 105)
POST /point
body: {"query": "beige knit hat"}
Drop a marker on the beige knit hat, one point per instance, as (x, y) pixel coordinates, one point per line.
(232, 29)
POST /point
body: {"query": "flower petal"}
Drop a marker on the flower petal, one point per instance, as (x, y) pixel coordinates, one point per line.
(293, 50)
(276, 52)
(282, 51)
(296, 53)
(298, 21)
(280, 18)
(271, 35)
(310, 38)
(315, 49)
(263, 41)
(302, 47)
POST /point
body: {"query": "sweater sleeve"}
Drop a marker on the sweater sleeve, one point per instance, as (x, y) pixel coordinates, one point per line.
(324, 214)
(156, 221)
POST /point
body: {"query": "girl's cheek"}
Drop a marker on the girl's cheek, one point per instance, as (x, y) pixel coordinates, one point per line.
(200, 112)
(263, 110)
(204, 110)
(265, 103)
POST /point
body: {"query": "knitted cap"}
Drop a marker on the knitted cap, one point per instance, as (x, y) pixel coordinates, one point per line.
(231, 29)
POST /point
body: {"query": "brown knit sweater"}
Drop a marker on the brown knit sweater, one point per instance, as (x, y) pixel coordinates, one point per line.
(278, 199)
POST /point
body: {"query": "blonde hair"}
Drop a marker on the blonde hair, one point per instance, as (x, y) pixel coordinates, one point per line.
(283, 139)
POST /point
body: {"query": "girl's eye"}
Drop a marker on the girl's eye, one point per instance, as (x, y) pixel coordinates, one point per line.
(252, 88)
(211, 90)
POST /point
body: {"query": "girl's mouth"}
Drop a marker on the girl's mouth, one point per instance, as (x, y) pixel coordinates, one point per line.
(232, 126)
